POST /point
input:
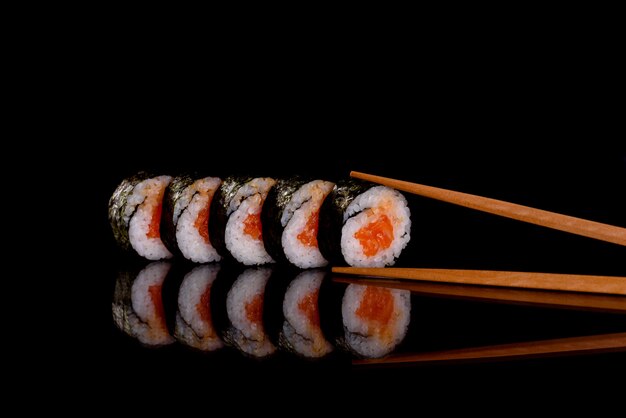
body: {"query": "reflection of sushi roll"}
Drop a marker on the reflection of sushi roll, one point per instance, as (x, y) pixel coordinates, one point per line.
(184, 227)
(368, 321)
(135, 215)
(194, 325)
(375, 319)
(244, 307)
(138, 305)
(364, 225)
(235, 226)
(290, 221)
(301, 330)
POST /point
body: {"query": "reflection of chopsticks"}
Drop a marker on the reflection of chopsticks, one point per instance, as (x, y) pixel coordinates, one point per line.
(603, 343)
(547, 281)
(567, 300)
(540, 217)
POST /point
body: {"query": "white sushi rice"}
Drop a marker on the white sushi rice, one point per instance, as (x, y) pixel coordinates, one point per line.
(191, 327)
(372, 339)
(195, 198)
(247, 201)
(367, 208)
(248, 336)
(305, 202)
(147, 325)
(140, 205)
(304, 336)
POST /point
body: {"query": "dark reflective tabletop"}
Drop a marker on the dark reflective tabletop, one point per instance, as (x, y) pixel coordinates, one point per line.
(176, 321)
(275, 314)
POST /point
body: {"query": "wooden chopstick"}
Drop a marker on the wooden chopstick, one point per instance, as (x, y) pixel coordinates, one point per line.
(528, 297)
(575, 345)
(547, 281)
(591, 229)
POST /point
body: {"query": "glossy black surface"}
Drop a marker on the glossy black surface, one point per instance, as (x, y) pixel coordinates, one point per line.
(584, 183)
(437, 321)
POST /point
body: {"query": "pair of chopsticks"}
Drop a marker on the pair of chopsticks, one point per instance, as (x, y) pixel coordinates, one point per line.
(545, 281)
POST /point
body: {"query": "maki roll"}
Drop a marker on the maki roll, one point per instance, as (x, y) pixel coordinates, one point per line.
(138, 304)
(244, 307)
(185, 220)
(235, 226)
(194, 325)
(290, 221)
(301, 331)
(135, 215)
(364, 225)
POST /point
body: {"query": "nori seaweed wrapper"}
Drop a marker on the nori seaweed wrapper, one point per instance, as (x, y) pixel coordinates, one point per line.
(329, 302)
(331, 217)
(122, 305)
(169, 291)
(117, 205)
(172, 195)
(275, 202)
(218, 212)
(217, 298)
(273, 317)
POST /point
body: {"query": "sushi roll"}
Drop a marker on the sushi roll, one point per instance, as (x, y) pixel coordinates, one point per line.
(244, 307)
(290, 221)
(138, 304)
(364, 320)
(363, 225)
(301, 331)
(135, 215)
(235, 214)
(184, 224)
(194, 325)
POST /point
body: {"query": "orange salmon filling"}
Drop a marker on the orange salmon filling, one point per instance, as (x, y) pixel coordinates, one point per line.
(376, 306)
(202, 307)
(155, 297)
(252, 226)
(202, 223)
(155, 222)
(375, 236)
(308, 236)
(308, 306)
(254, 309)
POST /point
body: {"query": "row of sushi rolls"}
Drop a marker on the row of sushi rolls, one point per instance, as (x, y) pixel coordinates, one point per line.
(258, 226)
